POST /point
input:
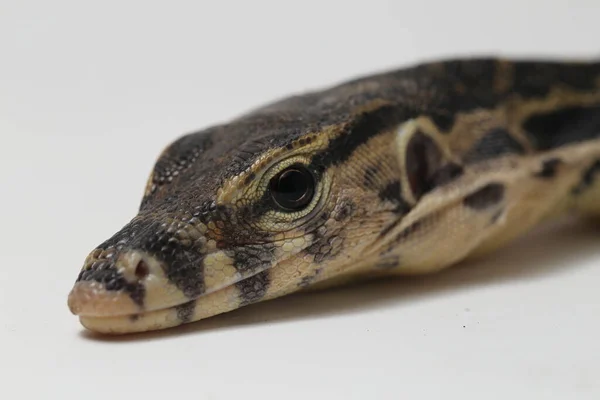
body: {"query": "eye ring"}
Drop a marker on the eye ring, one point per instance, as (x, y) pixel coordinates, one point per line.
(293, 188)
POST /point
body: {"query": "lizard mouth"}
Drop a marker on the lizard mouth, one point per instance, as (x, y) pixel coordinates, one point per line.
(126, 317)
(138, 322)
(107, 311)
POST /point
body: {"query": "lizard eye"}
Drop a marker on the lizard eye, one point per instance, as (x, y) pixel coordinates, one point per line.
(293, 188)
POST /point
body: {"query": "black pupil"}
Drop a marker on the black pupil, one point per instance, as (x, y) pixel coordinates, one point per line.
(293, 188)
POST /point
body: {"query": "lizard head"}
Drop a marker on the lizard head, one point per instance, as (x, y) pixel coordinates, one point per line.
(262, 207)
(311, 191)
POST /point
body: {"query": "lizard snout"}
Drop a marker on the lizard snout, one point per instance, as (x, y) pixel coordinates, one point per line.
(114, 283)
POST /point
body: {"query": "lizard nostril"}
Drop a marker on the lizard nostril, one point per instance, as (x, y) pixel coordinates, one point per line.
(142, 270)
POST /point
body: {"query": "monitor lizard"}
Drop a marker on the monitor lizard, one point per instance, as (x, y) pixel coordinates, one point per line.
(403, 172)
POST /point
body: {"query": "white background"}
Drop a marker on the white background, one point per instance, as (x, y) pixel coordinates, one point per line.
(90, 93)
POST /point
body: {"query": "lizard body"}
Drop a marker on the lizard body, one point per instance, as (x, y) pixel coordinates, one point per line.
(404, 172)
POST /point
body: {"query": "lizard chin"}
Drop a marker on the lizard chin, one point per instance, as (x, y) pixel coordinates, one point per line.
(142, 322)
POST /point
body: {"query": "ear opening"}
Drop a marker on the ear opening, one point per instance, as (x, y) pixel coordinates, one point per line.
(424, 162)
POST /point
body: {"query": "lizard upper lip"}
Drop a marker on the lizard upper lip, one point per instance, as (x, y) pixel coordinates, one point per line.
(91, 299)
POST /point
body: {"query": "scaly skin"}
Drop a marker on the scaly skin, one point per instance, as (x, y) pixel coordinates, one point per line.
(413, 171)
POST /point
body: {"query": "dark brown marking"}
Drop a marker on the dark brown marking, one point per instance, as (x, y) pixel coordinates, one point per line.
(308, 280)
(488, 196)
(253, 258)
(588, 178)
(327, 241)
(423, 158)
(360, 130)
(343, 210)
(558, 128)
(390, 227)
(535, 79)
(549, 168)
(493, 144)
(444, 122)
(388, 262)
(392, 192)
(322, 248)
(254, 288)
(369, 177)
(410, 230)
(407, 232)
(249, 178)
(185, 311)
(497, 216)
(446, 174)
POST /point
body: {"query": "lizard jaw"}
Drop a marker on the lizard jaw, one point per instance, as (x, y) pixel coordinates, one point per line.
(122, 324)
(208, 305)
